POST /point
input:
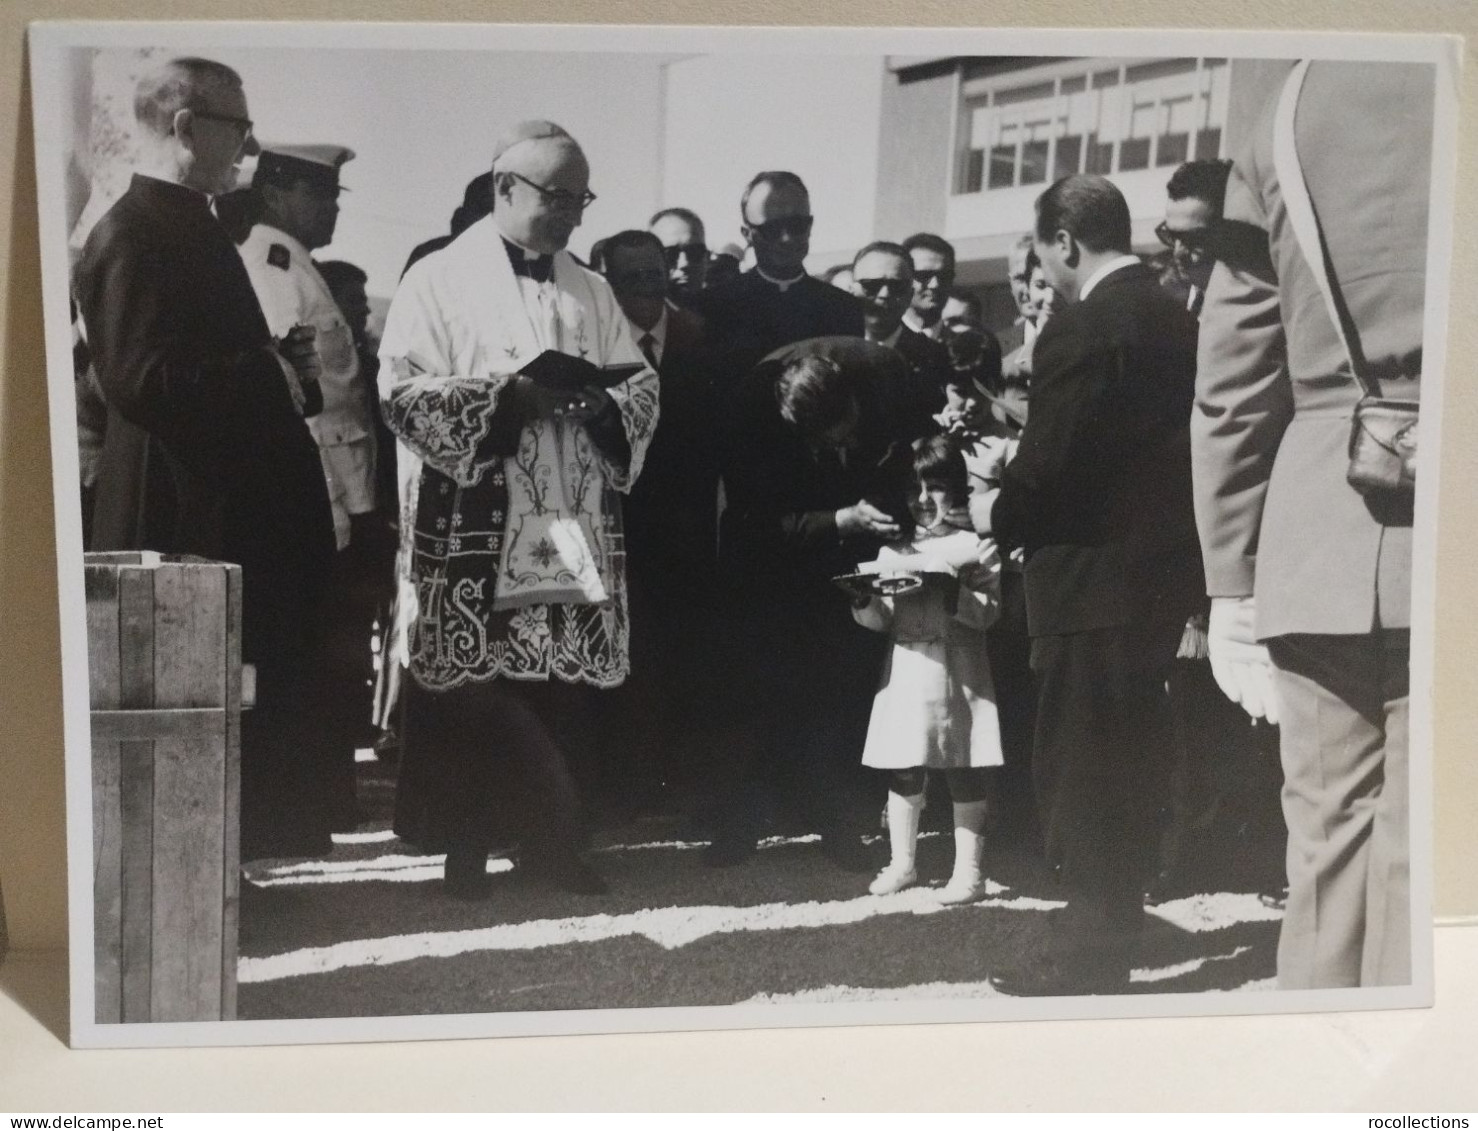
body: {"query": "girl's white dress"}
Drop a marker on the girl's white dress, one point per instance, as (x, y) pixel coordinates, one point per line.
(936, 706)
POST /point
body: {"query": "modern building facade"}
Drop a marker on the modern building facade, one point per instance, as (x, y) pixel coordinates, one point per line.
(967, 144)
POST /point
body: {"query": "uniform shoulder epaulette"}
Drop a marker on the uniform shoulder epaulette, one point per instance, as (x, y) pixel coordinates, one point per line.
(279, 256)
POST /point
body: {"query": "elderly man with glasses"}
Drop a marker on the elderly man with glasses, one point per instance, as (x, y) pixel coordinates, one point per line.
(207, 450)
(523, 408)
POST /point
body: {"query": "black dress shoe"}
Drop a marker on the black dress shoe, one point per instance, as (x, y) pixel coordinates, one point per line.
(1055, 978)
(465, 875)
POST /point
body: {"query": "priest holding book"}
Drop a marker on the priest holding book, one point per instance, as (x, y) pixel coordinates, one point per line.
(522, 407)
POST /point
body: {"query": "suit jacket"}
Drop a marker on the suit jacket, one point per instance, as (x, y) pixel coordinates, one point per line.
(671, 515)
(205, 451)
(779, 528)
(1274, 391)
(929, 361)
(1100, 489)
(752, 317)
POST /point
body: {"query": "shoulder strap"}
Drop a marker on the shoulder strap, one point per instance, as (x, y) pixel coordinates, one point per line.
(1306, 225)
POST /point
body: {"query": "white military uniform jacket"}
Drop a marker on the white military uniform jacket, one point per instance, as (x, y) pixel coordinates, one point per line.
(291, 292)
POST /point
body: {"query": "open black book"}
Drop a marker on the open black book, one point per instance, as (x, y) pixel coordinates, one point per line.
(564, 373)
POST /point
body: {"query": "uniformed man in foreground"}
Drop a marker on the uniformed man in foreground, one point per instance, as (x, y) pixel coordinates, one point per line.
(1309, 574)
(298, 187)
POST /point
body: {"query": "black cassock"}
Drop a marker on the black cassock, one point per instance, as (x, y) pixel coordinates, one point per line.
(206, 453)
(802, 664)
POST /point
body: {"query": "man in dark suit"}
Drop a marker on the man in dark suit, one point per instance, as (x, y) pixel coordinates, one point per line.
(685, 248)
(1296, 557)
(817, 474)
(1194, 198)
(882, 277)
(671, 524)
(775, 303)
(1099, 494)
(207, 449)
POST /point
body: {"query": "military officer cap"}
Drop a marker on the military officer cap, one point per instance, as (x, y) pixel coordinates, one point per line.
(285, 165)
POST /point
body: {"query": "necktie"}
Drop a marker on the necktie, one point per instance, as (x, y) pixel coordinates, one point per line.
(648, 345)
(537, 268)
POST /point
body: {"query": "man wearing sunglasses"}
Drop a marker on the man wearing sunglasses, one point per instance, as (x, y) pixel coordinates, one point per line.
(685, 250)
(207, 451)
(775, 303)
(1195, 193)
(933, 276)
(882, 277)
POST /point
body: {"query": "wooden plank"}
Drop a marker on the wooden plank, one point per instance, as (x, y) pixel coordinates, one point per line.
(101, 588)
(200, 724)
(136, 791)
(107, 884)
(189, 791)
(231, 809)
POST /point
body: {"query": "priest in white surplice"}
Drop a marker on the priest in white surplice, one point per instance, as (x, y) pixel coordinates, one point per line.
(512, 576)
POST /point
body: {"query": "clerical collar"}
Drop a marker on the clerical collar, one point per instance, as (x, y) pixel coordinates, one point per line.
(536, 267)
(912, 320)
(782, 285)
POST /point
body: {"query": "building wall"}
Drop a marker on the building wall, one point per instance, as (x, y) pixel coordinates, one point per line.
(914, 151)
(727, 117)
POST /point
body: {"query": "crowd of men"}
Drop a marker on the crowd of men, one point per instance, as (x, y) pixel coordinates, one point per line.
(597, 509)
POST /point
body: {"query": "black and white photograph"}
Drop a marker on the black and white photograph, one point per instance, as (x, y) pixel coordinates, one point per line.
(587, 529)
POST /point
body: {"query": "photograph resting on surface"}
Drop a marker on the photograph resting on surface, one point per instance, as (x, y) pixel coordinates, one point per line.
(557, 522)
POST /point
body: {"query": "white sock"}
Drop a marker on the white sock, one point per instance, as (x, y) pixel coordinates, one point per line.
(966, 882)
(903, 840)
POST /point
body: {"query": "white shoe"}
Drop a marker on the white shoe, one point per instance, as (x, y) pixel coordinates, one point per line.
(966, 884)
(892, 879)
(963, 889)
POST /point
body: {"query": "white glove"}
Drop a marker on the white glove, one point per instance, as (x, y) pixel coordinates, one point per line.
(1240, 664)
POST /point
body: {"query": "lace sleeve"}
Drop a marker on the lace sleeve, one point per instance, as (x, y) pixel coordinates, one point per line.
(442, 416)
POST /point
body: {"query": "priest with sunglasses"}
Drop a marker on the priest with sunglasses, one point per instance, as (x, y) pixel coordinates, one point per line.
(775, 303)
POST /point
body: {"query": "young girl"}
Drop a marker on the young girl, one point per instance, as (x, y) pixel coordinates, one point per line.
(936, 706)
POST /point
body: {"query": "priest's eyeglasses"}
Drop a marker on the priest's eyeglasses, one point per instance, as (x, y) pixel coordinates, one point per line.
(562, 199)
(245, 125)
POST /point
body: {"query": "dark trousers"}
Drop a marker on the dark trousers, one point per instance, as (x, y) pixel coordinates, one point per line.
(1344, 711)
(1009, 647)
(486, 763)
(797, 712)
(1102, 759)
(362, 582)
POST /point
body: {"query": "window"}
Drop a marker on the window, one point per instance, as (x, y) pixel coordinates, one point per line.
(1090, 118)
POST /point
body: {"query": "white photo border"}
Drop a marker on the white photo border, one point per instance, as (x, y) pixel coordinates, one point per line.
(50, 41)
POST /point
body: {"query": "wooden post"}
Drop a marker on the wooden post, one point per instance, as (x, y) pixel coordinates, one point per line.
(164, 662)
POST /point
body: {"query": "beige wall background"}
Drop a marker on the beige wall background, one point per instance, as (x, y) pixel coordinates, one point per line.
(32, 845)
